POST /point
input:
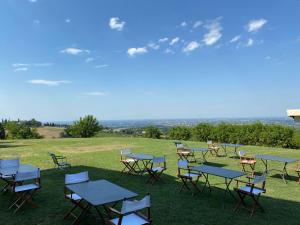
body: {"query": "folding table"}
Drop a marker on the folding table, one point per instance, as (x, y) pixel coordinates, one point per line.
(144, 158)
(228, 174)
(285, 161)
(203, 152)
(99, 193)
(234, 146)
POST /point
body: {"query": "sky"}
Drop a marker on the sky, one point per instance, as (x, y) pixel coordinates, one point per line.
(133, 59)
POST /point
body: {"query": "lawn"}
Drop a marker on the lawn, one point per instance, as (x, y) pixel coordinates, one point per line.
(100, 156)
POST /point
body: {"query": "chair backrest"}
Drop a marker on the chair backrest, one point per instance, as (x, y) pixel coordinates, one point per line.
(159, 160)
(7, 163)
(76, 178)
(133, 206)
(259, 179)
(180, 146)
(126, 151)
(209, 142)
(183, 164)
(53, 156)
(242, 153)
(25, 176)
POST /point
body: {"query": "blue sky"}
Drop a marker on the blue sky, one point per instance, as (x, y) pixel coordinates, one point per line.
(62, 59)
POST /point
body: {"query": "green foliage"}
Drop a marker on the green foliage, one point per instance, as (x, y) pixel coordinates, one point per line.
(179, 133)
(85, 127)
(32, 123)
(19, 130)
(2, 131)
(152, 132)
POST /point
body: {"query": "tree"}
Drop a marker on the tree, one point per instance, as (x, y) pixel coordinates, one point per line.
(18, 130)
(179, 133)
(2, 131)
(152, 132)
(85, 127)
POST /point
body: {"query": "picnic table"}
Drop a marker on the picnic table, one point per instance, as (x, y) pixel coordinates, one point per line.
(227, 174)
(145, 159)
(234, 146)
(284, 160)
(99, 193)
(203, 152)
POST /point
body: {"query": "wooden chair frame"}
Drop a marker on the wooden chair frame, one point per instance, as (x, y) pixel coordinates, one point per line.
(154, 175)
(185, 153)
(247, 161)
(214, 148)
(297, 169)
(130, 165)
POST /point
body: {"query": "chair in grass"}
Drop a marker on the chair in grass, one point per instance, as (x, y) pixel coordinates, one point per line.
(8, 179)
(157, 166)
(247, 163)
(297, 169)
(75, 199)
(213, 147)
(184, 152)
(60, 162)
(129, 163)
(188, 176)
(252, 189)
(26, 184)
(131, 213)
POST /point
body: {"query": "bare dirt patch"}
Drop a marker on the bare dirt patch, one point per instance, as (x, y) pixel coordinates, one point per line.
(51, 132)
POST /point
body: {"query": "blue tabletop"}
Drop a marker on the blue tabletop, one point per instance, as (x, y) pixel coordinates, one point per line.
(141, 156)
(276, 158)
(217, 171)
(231, 145)
(200, 149)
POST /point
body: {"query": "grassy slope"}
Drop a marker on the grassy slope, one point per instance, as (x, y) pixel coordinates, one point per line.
(100, 156)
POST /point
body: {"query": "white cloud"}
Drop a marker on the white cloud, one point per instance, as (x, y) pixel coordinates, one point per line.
(250, 42)
(68, 20)
(116, 24)
(197, 24)
(36, 21)
(97, 93)
(153, 46)
(101, 66)
(90, 59)
(42, 64)
(255, 25)
(191, 46)
(163, 40)
(183, 24)
(137, 51)
(169, 51)
(74, 51)
(49, 82)
(20, 65)
(174, 41)
(25, 66)
(21, 69)
(235, 39)
(214, 32)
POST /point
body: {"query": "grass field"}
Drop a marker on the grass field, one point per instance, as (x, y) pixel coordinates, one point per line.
(100, 156)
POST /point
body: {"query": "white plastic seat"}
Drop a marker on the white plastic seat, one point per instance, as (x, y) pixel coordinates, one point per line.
(131, 219)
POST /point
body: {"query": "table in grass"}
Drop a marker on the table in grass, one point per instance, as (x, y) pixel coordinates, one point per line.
(284, 160)
(99, 193)
(201, 150)
(145, 159)
(227, 174)
(235, 147)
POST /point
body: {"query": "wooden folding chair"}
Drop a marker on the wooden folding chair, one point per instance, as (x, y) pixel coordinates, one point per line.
(213, 147)
(131, 213)
(188, 176)
(185, 153)
(297, 169)
(75, 199)
(25, 186)
(247, 161)
(60, 162)
(129, 163)
(8, 179)
(156, 169)
(253, 191)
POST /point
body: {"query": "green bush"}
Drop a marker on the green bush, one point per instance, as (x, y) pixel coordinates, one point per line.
(179, 133)
(18, 130)
(85, 127)
(2, 131)
(152, 132)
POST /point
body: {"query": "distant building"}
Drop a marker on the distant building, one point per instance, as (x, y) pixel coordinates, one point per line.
(294, 113)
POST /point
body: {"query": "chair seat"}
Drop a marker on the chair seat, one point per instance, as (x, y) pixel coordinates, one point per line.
(248, 161)
(74, 197)
(247, 189)
(131, 219)
(191, 175)
(6, 177)
(26, 187)
(184, 152)
(157, 169)
(128, 160)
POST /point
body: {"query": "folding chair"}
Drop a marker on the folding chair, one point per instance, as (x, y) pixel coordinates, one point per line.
(185, 153)
(60, 162)
(252, 190)
(8, 179)
(247, 161)
(297, 169)
(129, 163)
(25, 186)
(74, 198)
(188, 176)
(131, 214)
(156, 169)
(214, 148)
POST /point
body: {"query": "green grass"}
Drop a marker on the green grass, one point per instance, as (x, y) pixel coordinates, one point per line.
(100, 156)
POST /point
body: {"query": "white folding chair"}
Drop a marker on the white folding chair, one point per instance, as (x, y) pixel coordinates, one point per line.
(74, 198)
(129, 163)
(158, 166)
(185, 153)
(130, 213)
(8, 179)
(25, 186)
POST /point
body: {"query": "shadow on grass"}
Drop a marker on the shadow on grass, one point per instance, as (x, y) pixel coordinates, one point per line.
(215, 164)
(169, 206)
(10, 146)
